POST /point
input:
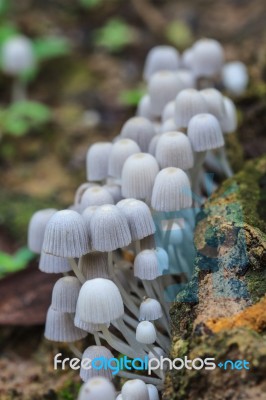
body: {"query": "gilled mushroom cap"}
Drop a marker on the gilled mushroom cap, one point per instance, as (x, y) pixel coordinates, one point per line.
(144, 108)
(121, 150)
(140, 130)
(95, 196)
(53, 265)
(214, 100)
(161, 58)
(114, 190)
(109, 229)
(204, 132)
(37, 227)
(229, 121)
(146, 265)
(139, 218)
(65, 294)
(97, 161)
(66, 235)
(93, 353)
(168, 111)
(99, 302)
(138, 175)
(208, 58)
(146, 333)
(153, 144)
(86, 326)
(150, 310)
(189, 102)
(59, 327)
(153, 392)
(135, 389)
(94, 265)
(171, 191)
(98, 388)
(168, 126)
(174, 150)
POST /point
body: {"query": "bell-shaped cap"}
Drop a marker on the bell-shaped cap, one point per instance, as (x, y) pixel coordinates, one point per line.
(86, 326)
(153, 144)
(174, 150)
(87, 215)
(97, 388)
(229, 121)
(65, 294)
(171, 191)
(168, 126)
(138, 176)
(140, 130)
(214, 100)
(53, 265)
(153, 392)
(187, 59)
(79, 193)
(146, 333)
(235, 77)
(161, 58)
(59, 327)
(99, 302)
(187, 78)
(208, 58)
(97, 161)
(114, 190)
(66, 235)
(99, 355)
(120, 151)
(144, 108)
(204, 132)
(37, 227)
(163, 87)
(135, 389)
(17, 55)
(168, 111)
(146, 265)
(139, 218)
(189, 102)
(109, 229)
(94, 265)
(95, 196)
(150, 310)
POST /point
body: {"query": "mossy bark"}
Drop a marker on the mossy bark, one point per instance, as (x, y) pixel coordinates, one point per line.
(225, 317)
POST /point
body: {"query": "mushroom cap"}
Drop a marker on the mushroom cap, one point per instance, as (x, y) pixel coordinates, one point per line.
(168, 126)
(208, 58)
(214, 100)
(150, 310)
(189, 102)
(59, 327)
(92, 353)
(97, 388)
(144, 108)
(171, 191)
(174, 150)
(204, 132)
(146, 333)
(114, 190)
(95, 196)
(17, 55)
(65, 294)
(135, 389)
(99, 302)
(66, 235)
(168, 111)
(146, 265)
(140, 130)
(229, 121)
(53, 265)
(153, 144)
(235, 77)
(153, 392)
(161, 58)
(97, 161)
(138, 175)
(37, 227)
(109, 229)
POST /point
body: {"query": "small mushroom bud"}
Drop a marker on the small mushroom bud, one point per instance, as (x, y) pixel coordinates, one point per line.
(161, 58)
(138, 175)
(153, 144)
(37, 227)
(235, 77)
(168, 126)
(208, 58)
(92, 353)
(66, 235)
(150, 310)
(144, 108)
(174, 150)
(189, 102)
(188, 59)
(168, 111)
(229, 120)
(97, 161)
(135, 389)
(140, 130)
(214, 100)
(59, 327)
(121, 150)
(97, 389)
(171, 191)
(146, 265)
(146, 333)
(153, 392)
(17, 55)
(95, 196)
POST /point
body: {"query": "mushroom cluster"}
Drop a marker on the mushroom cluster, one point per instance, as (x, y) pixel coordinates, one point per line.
(128, 236)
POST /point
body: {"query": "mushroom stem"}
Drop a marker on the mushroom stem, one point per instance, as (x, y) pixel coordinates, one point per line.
(18, 90)
(224, 162)
(110, 264)
(166, 239)
(149, 289)
(153, 381)
(196, 171)
(75, 350)
(76, 270)
(97, 339)
(137, 247)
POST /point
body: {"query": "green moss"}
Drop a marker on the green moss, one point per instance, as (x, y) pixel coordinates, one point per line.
(256, 281)
(69, 392)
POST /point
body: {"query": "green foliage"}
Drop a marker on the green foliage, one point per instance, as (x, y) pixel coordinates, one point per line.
(7, 30)
(16, 262)
(50, 47)
(179, 34)
(115, 35)
(91, 3)
(131, 97)
(4, 7)
(22, 116)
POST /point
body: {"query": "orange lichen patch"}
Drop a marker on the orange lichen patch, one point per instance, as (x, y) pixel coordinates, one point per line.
(128, 256)
(253, 317)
